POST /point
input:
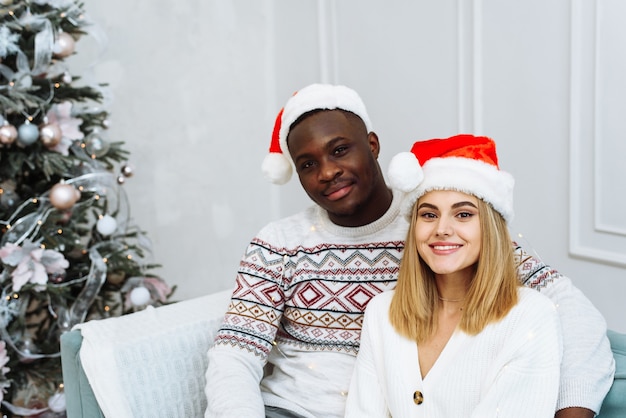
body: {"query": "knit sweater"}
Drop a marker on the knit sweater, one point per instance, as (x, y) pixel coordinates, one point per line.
(510, 369)
(291, 333)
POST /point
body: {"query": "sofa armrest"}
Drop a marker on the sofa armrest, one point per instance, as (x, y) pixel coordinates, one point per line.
(79, 397)
(614, 405)
(149, 363)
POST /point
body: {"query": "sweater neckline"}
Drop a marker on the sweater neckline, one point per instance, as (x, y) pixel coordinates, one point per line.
(374, 227)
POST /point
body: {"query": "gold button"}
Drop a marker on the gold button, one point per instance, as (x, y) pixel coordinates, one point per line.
(418, 398)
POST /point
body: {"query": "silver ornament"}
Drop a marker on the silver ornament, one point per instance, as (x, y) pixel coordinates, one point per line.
(27, 134)
(95, 145)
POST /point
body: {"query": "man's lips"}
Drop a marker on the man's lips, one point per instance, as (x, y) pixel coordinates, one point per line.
(338, 191)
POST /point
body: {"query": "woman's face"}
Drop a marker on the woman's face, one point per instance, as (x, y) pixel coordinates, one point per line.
(447, 231)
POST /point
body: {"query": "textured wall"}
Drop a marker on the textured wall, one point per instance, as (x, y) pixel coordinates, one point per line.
(197, 85)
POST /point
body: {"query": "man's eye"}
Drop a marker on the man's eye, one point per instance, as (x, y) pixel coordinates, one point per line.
(340, 150)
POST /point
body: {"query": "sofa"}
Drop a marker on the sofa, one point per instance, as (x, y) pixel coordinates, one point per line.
(151, 363)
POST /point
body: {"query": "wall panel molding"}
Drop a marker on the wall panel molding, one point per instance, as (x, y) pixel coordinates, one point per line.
(597, 173)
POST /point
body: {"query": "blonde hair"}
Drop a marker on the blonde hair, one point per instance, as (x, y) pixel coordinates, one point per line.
(492, 292)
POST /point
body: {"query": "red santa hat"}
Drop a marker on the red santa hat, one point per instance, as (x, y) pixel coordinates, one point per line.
(464, 163)
(277, 165)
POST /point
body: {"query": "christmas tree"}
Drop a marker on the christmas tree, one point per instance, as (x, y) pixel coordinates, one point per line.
(69, 251)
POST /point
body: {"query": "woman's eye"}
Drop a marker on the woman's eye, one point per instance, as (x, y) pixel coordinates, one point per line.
(427, 215)
(465, 215)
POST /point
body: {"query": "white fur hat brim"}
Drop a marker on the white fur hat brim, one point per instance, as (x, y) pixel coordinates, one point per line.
(474, 177)
(310, 98)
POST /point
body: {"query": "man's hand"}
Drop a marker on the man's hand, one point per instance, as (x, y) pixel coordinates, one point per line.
(574, 413)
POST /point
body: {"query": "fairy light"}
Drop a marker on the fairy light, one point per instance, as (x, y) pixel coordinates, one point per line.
(104, 259)
(16, 296)
(107, 308)
(39, 222)
(59, 231)
(129, 256)
(35, 200)
(57, 85)
(97, 197)
(42, 246)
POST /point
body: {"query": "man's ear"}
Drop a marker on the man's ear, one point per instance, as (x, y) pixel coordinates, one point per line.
(372, 139)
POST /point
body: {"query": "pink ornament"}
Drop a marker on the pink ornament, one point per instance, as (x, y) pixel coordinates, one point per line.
(63, 196)
(63, 45)
(8, 134)
(50, 134)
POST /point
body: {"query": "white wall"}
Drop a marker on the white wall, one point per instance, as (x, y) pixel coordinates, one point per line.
(197, 85)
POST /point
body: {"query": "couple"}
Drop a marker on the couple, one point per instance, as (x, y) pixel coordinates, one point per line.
(457, 337)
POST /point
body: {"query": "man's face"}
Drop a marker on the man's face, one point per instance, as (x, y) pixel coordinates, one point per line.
(335, 159)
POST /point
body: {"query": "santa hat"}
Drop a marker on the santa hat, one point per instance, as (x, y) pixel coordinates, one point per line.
(277, 165)
(464, 163)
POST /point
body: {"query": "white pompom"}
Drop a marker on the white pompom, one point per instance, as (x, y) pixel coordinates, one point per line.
(106, 225)
(56, 403)
(276, 168)
(139, 296)
(405, 172)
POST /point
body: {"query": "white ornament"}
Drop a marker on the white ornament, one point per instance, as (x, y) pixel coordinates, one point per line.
(139, 296)
(56, 403)
(106, 225)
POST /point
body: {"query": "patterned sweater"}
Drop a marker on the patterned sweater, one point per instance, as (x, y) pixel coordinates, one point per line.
(294, 322)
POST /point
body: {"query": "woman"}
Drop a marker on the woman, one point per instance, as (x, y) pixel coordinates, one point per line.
(458, 337)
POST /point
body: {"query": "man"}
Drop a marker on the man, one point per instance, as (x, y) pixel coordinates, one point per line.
(288, 342)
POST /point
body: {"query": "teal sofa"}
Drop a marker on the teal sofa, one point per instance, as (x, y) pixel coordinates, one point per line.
(144, 339)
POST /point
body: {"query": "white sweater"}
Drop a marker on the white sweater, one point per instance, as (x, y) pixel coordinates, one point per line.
(511, 369)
